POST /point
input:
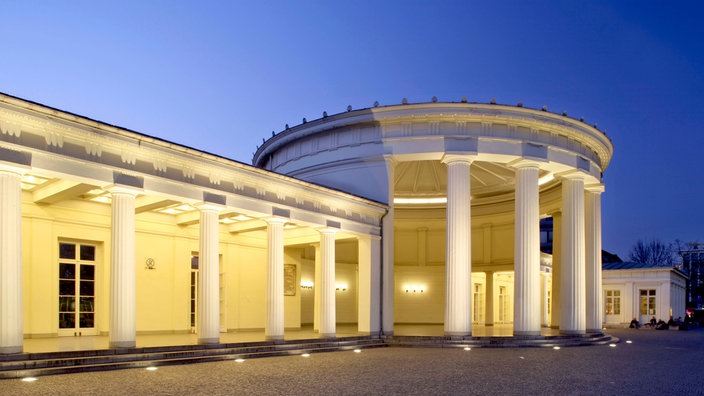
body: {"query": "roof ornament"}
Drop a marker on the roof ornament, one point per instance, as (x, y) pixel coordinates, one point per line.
(493, 101)
(304, 120)
(404, 101)
(581, 119)
(349, 107)
(434, 99)
(376, 103)
(287, 127)
(520, 104)
(325, 114)
(564, 113)
(545, 108)
(273, 133)
(464, 99)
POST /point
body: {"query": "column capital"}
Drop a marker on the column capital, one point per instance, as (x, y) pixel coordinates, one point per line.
(327, 230)
(208, 207)
(595, 188)
(276, 220)
(465, 158)
(571, 175)
(524, 163)
(122, 189)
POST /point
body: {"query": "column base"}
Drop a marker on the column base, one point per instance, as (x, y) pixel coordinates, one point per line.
(10, 349)
(327, 335)
(274, 337)
(122, 344)
(572, 332)
(526, 333)
(202, 341)
(458, 333)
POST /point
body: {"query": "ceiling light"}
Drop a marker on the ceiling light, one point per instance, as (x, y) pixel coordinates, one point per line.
(420, 201)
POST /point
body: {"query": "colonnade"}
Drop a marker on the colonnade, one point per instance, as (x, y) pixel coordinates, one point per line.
(122, 315)
(576, 293)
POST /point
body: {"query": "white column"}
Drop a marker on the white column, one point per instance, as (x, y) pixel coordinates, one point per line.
(458, 268)
(208, 312)
(572, 293)
(526, 311)
(369, 252)
(387, 260)
(274, 326)
(327, 283)
(594, 308)
(316, 289)
(11, 322)
(544, 316)
(555, 298)
(489, 290)
(123, 328)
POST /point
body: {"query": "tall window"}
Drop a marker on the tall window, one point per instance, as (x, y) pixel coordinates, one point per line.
(478, 303)
(647, 302)
(503, 304)
(613, 302)
(76, 288)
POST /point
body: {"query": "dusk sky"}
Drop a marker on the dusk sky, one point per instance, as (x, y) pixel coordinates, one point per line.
(221, 76)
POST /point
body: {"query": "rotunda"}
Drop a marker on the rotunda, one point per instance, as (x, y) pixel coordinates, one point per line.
(466, 185)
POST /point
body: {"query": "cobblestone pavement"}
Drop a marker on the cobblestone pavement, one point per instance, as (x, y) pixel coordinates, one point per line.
(654, 362)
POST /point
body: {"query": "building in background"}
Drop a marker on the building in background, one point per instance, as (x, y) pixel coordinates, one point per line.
(693, 267)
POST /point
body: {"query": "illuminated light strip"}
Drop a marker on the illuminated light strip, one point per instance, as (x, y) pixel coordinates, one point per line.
(420, 201)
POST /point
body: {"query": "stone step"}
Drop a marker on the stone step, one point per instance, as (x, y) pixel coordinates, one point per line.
(77, 361)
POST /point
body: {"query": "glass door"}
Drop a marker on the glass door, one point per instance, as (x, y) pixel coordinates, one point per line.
(76, 289)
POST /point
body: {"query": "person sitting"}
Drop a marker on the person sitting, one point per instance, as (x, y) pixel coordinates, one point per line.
(661, 325)
(653, 321)
(671, 322)
(635, 324)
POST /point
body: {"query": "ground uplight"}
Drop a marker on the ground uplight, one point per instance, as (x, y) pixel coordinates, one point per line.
(239, 360)
(29, 379)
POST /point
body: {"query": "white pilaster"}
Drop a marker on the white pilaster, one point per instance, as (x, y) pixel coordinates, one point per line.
(123, 328)
(458, 268)
(369, 253)
(594, 308)
(572, 293)
(387, 261)
(526, 311)
(274, 326)
(11, 321)
(327, 283)
(489, 290)
(208, 312)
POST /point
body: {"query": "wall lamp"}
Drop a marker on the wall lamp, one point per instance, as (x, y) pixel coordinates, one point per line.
(414, 289)
(306, 285)
(341, 286)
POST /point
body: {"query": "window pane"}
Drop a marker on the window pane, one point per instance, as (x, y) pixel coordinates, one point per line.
(643, 292)
(87, 253)
(194, 263)
(67, 304)
(87, 272)
(617, 293)
(86, 320)
(67, 271)
(67, 320)
(67, 288)
(86, 304)
(617, 306)
(87, 288)
(67, 251)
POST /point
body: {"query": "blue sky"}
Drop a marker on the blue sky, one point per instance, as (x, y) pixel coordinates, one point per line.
(220, 76)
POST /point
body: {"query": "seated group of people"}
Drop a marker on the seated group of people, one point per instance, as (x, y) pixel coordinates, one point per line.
(659, 324)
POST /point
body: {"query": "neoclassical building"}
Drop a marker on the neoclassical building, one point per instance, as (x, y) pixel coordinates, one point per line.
(415, 213)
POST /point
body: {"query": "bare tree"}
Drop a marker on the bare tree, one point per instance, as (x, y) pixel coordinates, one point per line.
(652, 252)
